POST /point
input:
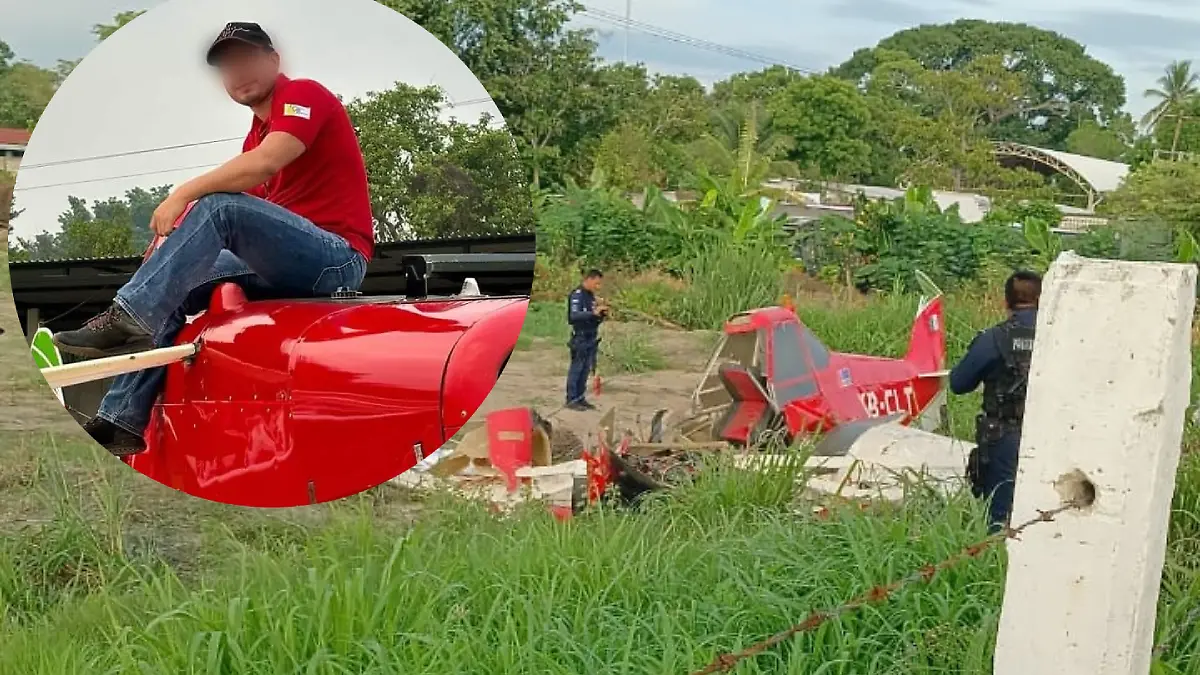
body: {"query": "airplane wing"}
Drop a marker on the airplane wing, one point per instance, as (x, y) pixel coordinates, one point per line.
(837, 442)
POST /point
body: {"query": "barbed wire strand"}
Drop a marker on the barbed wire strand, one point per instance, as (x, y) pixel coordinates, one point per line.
(725, 662)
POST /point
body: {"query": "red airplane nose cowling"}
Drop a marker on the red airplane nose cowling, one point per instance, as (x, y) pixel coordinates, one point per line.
(296, 402)
(475, 364)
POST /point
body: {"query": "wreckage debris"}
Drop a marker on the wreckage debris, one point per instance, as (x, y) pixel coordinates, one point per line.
(517, 455)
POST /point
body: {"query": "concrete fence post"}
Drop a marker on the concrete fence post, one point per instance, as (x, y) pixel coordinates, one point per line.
(1108, 391)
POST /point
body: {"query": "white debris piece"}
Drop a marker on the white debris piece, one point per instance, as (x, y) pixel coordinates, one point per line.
(881, 462)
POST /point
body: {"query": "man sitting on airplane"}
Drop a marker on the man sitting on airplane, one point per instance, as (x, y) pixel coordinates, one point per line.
(289, 216)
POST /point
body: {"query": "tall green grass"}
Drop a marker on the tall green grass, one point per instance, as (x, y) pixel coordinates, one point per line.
(723, 281)
(630, 351)
(463, 591)
(712, 568)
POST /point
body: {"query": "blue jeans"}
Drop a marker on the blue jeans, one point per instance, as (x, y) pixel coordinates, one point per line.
(267, 250)
(583, 359)
(998, 477)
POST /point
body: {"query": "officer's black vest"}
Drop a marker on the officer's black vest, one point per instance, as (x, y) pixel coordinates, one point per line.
(1004, 391)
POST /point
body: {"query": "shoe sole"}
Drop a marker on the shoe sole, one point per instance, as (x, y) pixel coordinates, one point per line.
(95, 353)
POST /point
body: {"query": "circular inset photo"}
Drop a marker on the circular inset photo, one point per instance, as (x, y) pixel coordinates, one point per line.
(271, 253)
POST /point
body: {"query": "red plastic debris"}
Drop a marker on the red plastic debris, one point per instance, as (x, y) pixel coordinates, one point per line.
(510, 442)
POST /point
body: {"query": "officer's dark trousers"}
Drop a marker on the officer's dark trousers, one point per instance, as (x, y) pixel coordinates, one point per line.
(998, 474)
(583, 359)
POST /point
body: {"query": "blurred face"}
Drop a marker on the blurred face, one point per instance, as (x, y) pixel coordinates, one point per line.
(248, 72)
(593, 284)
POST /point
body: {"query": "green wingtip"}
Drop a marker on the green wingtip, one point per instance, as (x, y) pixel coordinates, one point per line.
(45, 354)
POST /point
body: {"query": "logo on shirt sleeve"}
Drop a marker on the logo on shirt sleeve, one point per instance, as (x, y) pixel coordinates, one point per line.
(293, 110)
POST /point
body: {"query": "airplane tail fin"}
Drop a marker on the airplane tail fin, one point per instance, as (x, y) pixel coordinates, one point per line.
(927, 346)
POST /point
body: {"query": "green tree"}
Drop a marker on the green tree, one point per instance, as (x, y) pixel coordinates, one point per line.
(541, 74)
(743, 144)
(494, 38)
(631, 157)
(25, 90)
(1062, 84)
(548, 99)
(1112, 142)
(1177, 87)
(654, 120)
(117, 226)
(758, 86)
(944, 116)
(1179, 129)
(103, 31)
(435, 178)
(1160, 190)
(827, 119)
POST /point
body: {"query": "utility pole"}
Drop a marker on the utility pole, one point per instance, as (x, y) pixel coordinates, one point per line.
(628, 12)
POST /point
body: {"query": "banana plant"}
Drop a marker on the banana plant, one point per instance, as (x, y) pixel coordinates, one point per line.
(1045, 243)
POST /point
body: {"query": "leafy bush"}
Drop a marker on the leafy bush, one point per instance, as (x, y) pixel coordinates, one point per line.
(596, 226)
(889, 240)
(725, 280)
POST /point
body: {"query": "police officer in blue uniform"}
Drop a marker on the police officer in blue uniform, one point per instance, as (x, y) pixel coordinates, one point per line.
(999, 358)
(585, 314)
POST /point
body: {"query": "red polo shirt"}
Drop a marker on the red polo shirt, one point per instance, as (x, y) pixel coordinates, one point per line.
(328, 183)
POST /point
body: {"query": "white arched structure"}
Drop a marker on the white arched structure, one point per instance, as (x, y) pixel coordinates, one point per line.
(1095, 177)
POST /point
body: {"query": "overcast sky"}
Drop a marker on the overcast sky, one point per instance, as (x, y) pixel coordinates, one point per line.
(147, 86)
(110, 87)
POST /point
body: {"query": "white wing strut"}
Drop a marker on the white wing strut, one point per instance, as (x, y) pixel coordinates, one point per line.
(98, 369)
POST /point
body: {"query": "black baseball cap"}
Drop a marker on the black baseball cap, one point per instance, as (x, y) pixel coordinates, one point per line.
(239, 31)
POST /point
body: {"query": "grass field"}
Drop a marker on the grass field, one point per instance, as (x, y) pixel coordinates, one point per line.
(105, 572)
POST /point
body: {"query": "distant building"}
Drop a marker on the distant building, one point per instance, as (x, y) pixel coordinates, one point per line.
(12, 148)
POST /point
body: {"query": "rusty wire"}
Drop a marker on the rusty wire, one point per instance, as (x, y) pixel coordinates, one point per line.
(725, 662)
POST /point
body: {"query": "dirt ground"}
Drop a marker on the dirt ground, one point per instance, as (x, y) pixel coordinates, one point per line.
(537, 377)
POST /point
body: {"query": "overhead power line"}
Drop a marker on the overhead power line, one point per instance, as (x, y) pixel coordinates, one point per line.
(108, 178)
(698, 43)
(183, 146)
(131, 153)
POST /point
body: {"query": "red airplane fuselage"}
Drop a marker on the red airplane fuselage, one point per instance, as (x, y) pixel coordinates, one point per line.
(292, 402)
(811, 389)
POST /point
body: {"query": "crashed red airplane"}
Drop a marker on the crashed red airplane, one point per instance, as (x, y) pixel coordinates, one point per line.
(771, 377)
(771, 374)
(288, 402)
